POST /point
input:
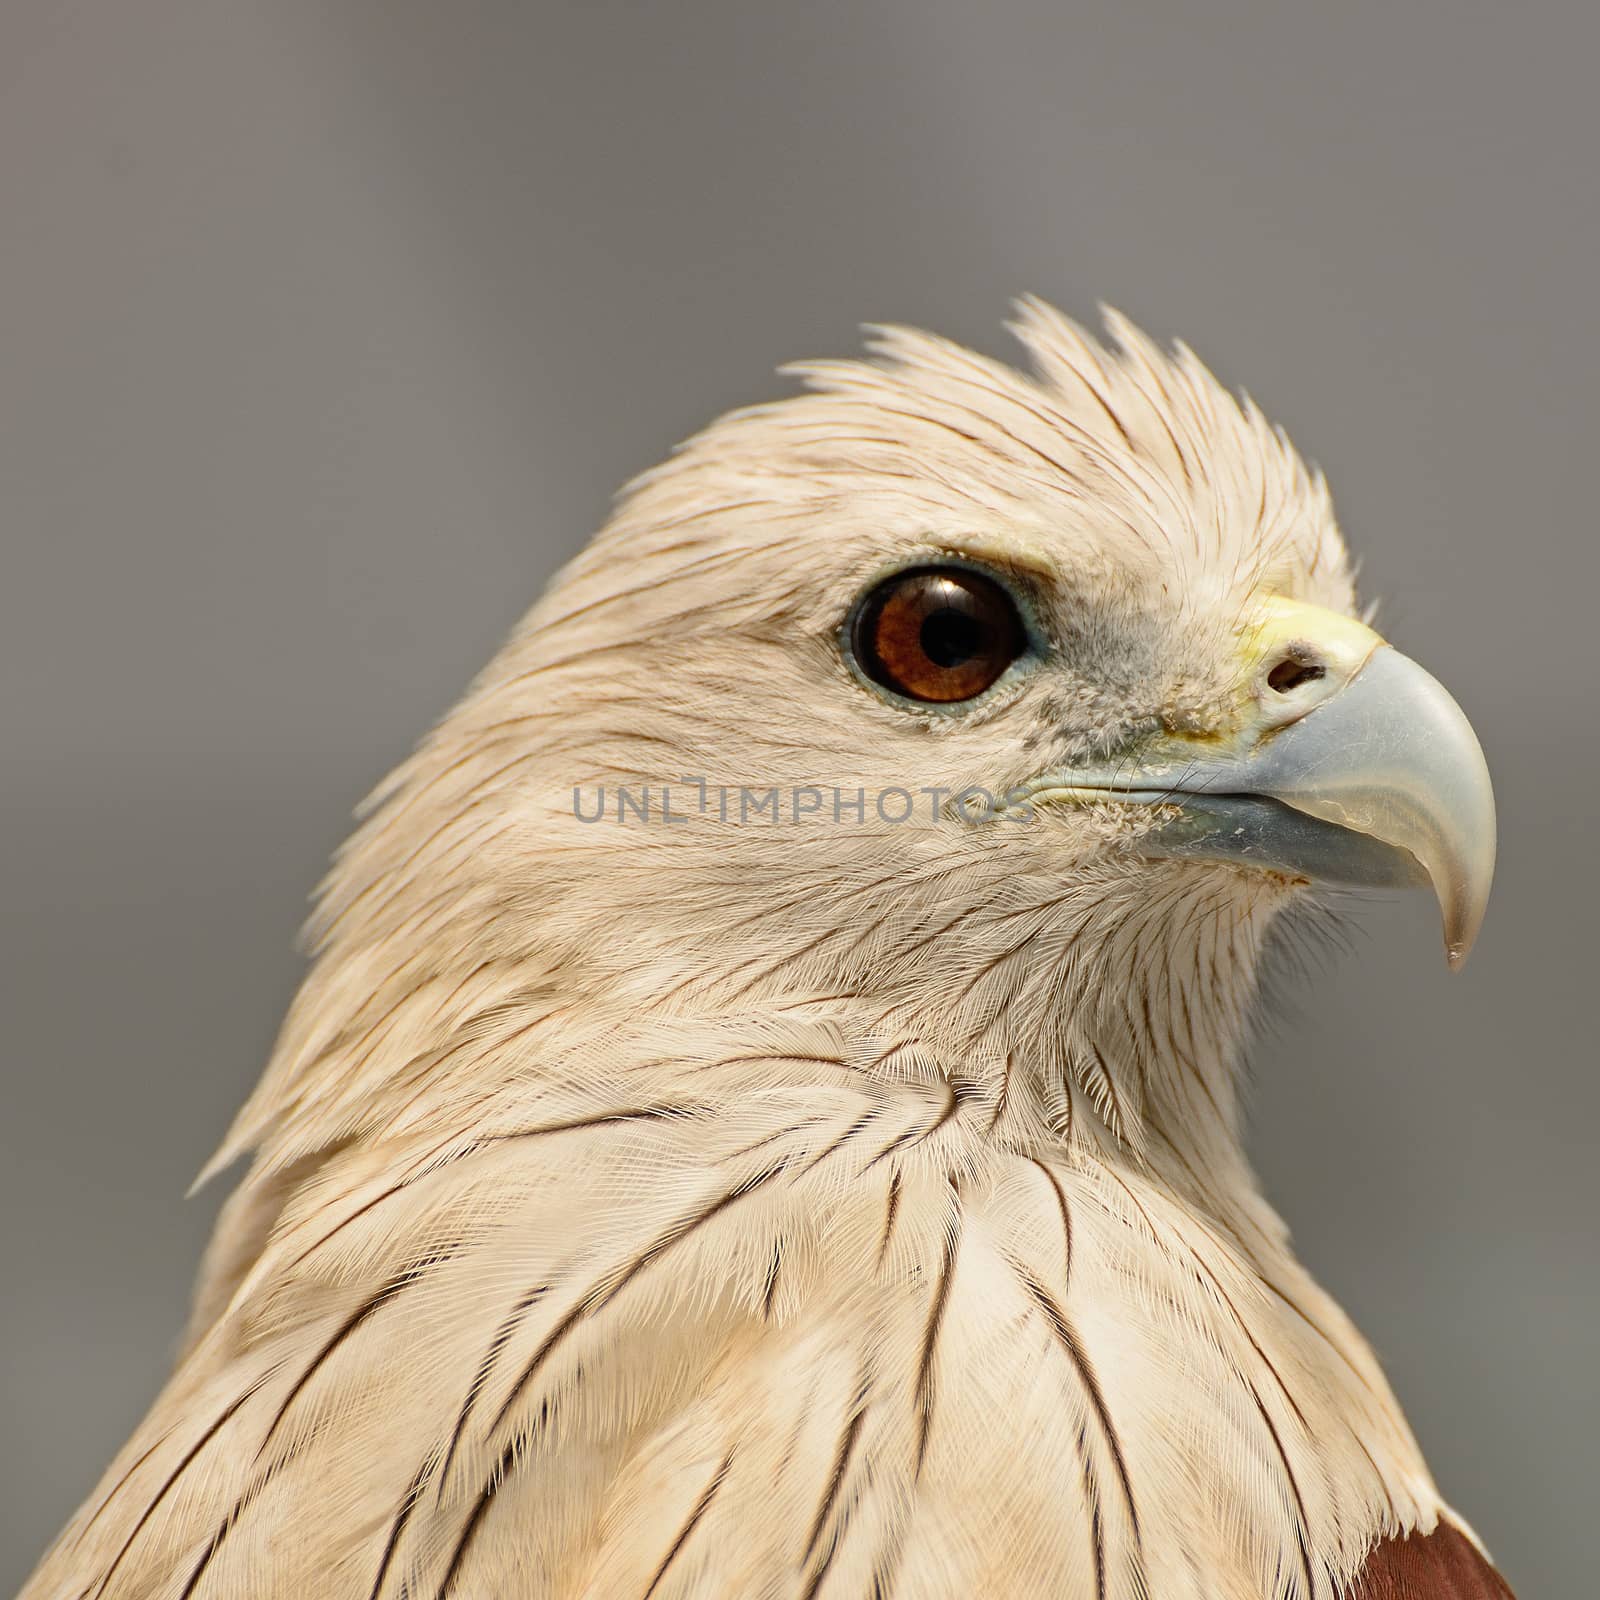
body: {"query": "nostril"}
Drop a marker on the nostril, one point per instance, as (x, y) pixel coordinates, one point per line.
(1295, 669)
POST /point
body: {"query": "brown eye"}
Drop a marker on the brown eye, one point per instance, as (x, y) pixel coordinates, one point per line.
(937, 633)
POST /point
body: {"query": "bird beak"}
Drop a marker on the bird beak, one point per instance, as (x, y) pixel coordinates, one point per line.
(1345, 762)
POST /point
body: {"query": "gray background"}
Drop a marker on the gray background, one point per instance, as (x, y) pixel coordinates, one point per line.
(326, 331)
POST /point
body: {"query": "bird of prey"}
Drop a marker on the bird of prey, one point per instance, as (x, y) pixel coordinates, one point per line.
(763, 1119)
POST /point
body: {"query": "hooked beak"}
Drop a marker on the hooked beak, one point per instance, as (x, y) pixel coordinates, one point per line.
(1347, 763)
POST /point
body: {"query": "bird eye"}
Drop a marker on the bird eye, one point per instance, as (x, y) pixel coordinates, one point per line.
(937, 633)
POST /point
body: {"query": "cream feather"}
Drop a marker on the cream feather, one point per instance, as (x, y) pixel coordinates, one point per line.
(812, 1209)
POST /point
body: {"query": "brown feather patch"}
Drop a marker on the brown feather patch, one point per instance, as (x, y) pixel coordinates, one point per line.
(1442, 1565)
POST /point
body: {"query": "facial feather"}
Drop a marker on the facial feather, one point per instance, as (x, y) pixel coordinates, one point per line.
(697, 637)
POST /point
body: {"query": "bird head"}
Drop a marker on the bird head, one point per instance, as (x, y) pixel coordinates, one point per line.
(1011, 709)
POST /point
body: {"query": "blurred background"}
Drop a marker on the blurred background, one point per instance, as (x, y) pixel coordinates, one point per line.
(326, 331)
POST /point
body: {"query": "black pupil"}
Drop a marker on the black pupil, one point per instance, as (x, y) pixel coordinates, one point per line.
(950, 637)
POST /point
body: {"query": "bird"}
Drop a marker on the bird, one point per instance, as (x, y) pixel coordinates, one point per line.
(762, 1117)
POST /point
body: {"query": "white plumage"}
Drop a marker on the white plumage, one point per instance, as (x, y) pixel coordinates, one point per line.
(818, 1208)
